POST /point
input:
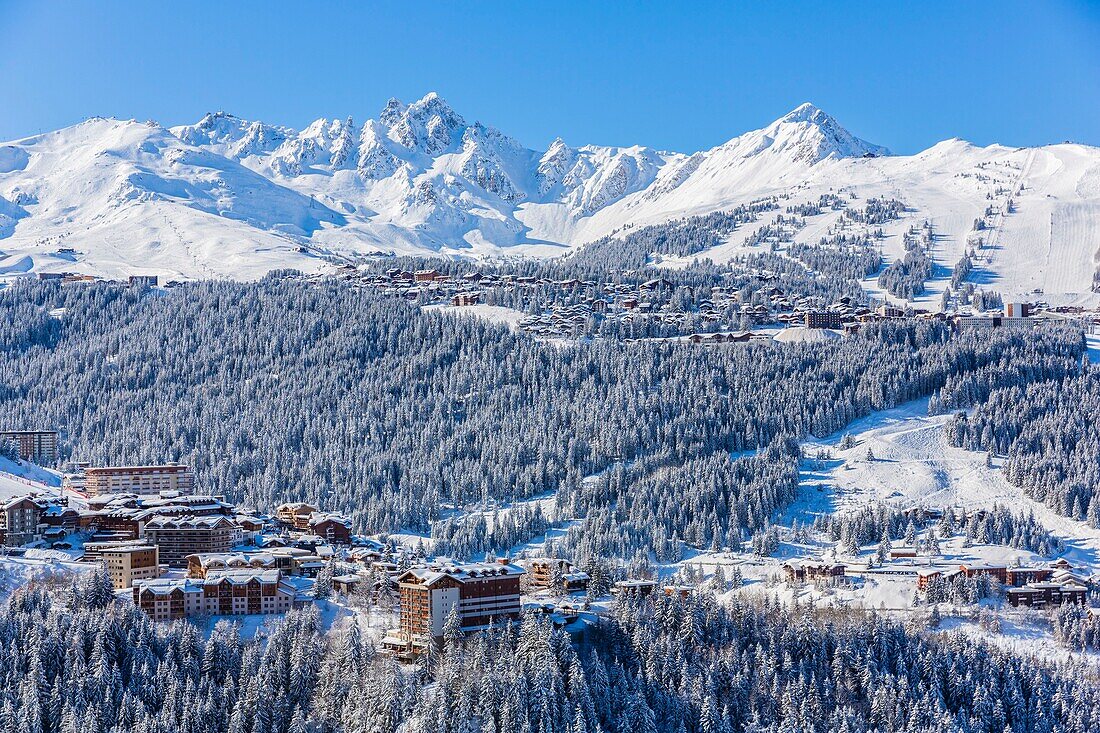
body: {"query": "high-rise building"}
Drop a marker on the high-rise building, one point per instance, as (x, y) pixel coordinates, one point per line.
(38, 446)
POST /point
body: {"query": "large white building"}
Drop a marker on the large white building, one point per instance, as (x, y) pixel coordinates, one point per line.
(138, 479)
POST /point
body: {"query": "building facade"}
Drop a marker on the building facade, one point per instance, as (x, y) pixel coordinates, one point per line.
(20, 520)
(228, 594)
(333, 527)
(138, 479)
(482, 593)
(178, 537)
(997, 572)
(295, 514)
(130, 564)
(806, 570)
(1042, 595)
(824, 319)
(1018, 577)
(37, 446)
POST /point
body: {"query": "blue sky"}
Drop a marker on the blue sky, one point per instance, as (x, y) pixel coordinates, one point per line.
(679, 76)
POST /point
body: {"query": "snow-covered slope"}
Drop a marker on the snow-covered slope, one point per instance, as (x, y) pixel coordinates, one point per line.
(234, 198)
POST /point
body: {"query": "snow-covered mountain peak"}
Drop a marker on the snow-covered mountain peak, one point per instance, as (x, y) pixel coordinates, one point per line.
(808, 134)
(804, 136)
(428, 125)
(232, 136)
(805, 112)
(420, 177)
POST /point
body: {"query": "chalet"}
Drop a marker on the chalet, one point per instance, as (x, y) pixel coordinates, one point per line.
(899, 553)
(346, 583)
(20, 518)
(808, 570)
(426, 276)
(332, 527)
(295, 515)
(541, 570)
(250, 523)
(1065, 577)
(575, 581)
(683, 591)
(637, 587)
(463, 299)
(62, 517)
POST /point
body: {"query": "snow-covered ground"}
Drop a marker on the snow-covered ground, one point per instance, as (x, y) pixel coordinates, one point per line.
(492, 313)
(1022, 632)
(18, 478)
(228, 197)
(36, 566)
(914, 466)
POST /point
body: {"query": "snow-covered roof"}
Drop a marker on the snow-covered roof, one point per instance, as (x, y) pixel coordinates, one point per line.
(188, 523)
(319, 517)
(462, 572)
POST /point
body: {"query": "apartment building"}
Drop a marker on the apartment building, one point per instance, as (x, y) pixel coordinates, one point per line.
(482, 593)
(232, 593)
(138, 479)
(1041, 595)
(144, 281)
(129, 564)
(1018, 577)
(997, 572)
(178, 537)
(37, 446)
(20, 520)
(824, 319)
